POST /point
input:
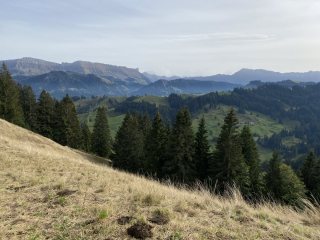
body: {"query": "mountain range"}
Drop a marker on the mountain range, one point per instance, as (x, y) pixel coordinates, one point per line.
(82, 78)
(184, 86)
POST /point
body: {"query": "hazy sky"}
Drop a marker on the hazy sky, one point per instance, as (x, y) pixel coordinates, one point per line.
(182, 37)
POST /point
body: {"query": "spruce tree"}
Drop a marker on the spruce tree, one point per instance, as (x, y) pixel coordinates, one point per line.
(316, 176)
(10, 106)
(180, 165)
(101, 137)
(310, 172)
(272, 178)
(86, 137)
(29, 107)
(202, 150)
(71, 123)
(251, 157)
(156, 147)
(129, 145)
(144, 123)
(45, 115)
(307, 171)
(283, 184)
(228, 167)
(59, 125)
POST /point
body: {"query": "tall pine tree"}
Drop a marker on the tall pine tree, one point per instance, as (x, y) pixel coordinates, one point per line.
(307, 171)
(228, 167)
(45, 115)
(29, 107)
(86, 137)
(72, 126)
(202, 150)
(101, 137)
(251, 157)
(10, 106)
(129, 145)
(180, 165)
(310, 172)
(156, 147)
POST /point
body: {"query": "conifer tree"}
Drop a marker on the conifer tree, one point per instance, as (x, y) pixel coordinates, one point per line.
(45, 115)
(311, 175)
(69, 117)
(101, 142)
(316, 173)
(307, 171)
(29, 107)
(228, 168)
(202, 150)
(156, 147)
(129, 145)
(180, 165)
(59, 125)
(10, 106)
(86, 137)
(144, 123)
(251, 157)
(283, 184)
(272, 177)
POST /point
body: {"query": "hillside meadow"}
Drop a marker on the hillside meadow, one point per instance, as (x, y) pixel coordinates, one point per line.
(53, 192)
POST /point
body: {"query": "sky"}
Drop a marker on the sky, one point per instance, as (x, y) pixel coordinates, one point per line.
(166, 37)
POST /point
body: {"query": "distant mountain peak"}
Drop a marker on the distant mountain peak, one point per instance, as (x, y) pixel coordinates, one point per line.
(28, 66)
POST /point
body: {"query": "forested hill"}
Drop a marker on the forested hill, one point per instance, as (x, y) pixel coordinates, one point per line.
(298, 106)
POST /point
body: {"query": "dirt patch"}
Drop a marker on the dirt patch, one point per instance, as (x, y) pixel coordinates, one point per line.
(140, 231)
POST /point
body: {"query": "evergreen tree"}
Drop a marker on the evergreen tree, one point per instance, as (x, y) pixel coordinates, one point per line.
(86, 137)
(228, 167)
(59, 125)
(144, 123)
(129, 145)
(156, 147)
(101, 137)
(45, 115)
(311, 175)
(10, 106)
(272, 177)
(307, 171)
(71, 123)
(316, 176)
(251, 157)
(180, 165)
(202, 150)
(283, 184)
(29, 107)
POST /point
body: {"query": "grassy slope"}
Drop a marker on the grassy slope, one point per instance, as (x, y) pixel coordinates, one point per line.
(260, 125)
(34, 171)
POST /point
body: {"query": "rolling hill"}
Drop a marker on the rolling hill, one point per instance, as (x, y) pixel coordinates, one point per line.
(245, 76)
(183, 86)
(79, 78)
(31, 67)
(53, 192)
(60, 83)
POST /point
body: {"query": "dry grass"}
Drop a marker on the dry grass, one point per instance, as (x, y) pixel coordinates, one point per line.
(52, 192)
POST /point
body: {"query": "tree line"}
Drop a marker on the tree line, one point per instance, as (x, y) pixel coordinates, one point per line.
(155, 148)
(298, 105)
(182, 156)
